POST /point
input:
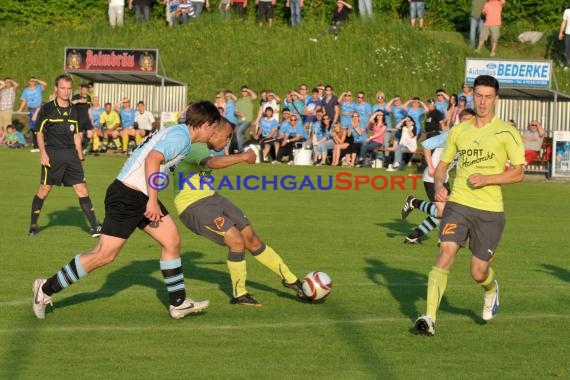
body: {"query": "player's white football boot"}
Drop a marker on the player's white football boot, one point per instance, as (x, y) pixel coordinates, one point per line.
(41, 300)
(425, 325)
(491, 303)
(187, 307)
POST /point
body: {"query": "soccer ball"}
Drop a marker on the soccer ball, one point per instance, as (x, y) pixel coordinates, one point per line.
(317, 285)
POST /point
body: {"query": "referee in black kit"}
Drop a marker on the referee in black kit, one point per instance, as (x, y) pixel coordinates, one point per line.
(61, 154)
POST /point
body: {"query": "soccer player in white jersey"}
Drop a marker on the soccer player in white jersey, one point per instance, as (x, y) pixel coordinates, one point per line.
(132, 201)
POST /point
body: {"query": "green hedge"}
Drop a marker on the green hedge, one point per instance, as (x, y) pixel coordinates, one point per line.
(441, 14)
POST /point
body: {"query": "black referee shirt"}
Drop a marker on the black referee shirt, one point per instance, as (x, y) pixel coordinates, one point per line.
(58, 124)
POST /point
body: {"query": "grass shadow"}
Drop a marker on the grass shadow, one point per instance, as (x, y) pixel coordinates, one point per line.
(407, 287)
(201, 270)
(556, 271)
(397, 227)
(138, 272)
(71, 216)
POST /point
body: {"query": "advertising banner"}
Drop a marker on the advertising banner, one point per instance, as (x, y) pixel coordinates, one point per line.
(513, 74)
(561, 154)
(111, 60)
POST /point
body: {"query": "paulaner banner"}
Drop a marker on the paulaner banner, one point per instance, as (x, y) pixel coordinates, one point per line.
(513, 74)
(144, 61)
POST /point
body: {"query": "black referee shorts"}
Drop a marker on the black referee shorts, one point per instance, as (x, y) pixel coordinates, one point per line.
(124, 210)
(65, 168)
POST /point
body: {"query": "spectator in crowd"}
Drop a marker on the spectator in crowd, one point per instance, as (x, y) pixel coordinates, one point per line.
(144, 122)
(245, 113)
(170, 12)
(312, 104)
(315, 132)
(110, 127)
(142, 9)
(267, 132)
(323, 141)
(116, 13)
(396, 109)
(295, 7)
(346, 109)
(230, 107)
(220, 102)
(185, 11)
(416, 109)
(376, 131)
(492, 11)
(382, 105)
(268, 100)
(417, 10)
(434, 120)
(265, 10)
(294, 103)
(95, 135)
(290, 135)
(451, 113)
(224, 7)
(239, 8)
(330, 103)
(467, 92)
(12, 138)
(441, 101)
(7, 99)
(82, 103)
(363, 108)
(365, 8)
(408, 143)
(339, 17)
(199, 6)
(127, 114)
(476, 22)
(339, 135)
(532, 139)
(355, 137)
(284, 125)
(31, 99)
(564, 35)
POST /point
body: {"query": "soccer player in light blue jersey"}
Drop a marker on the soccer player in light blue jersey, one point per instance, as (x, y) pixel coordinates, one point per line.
(132, 202)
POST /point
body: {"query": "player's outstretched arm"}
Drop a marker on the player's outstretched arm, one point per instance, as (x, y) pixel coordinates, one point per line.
(516, 174)
(221, 162)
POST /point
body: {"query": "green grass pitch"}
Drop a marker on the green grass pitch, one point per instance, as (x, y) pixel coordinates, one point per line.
(113, 324)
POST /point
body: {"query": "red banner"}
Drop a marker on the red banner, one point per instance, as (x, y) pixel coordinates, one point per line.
(108, 60)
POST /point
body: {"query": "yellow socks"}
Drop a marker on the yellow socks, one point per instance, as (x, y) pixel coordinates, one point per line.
(138, 139)
(238, 272)
(269, 258)
(437, 282)
(489, 284)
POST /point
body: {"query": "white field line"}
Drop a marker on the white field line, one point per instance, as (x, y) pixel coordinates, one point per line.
(277, 324)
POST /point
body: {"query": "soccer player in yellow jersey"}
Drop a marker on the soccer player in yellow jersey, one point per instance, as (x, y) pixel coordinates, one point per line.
(207, 213)
(474, 209)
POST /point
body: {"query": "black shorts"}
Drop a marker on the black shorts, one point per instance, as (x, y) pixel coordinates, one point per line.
(65, 168)
(124, 210)
(353, 147)
(264, 10)
(482, 228)
(211, 217)
(430, 190)
(84, 123)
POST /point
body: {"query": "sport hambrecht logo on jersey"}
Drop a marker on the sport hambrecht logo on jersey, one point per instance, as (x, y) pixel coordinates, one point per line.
(471, 157)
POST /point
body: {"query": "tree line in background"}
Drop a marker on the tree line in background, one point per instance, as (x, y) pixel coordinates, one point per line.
(441, 14)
